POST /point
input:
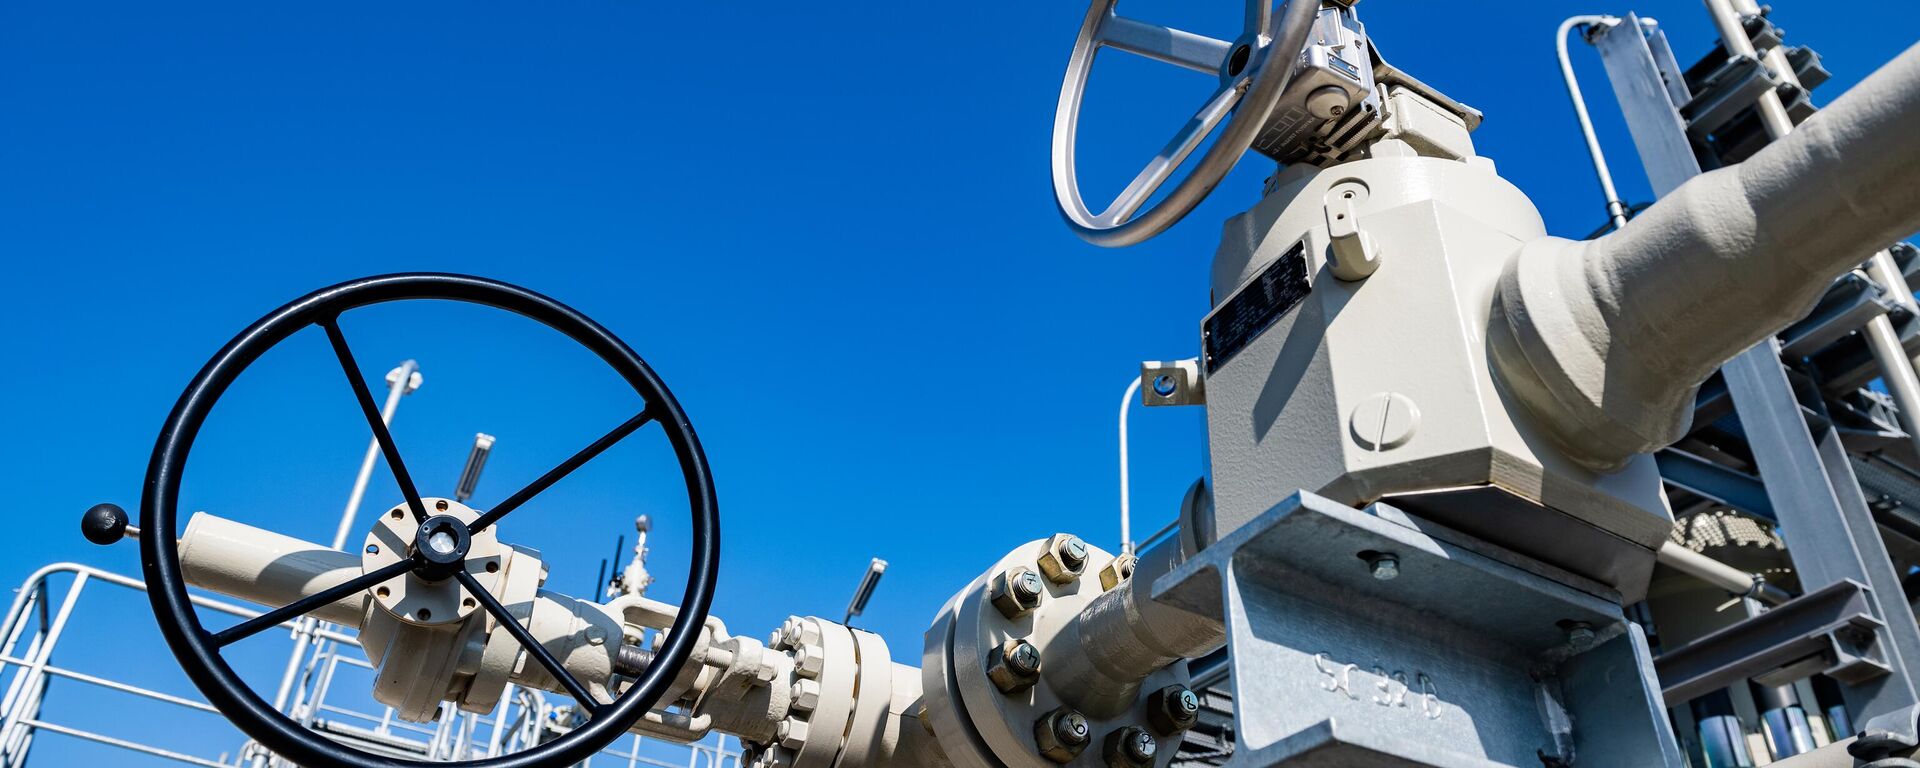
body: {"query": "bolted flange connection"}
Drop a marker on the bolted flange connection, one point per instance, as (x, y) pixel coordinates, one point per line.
(1130, 747)
(1173, 709)
(1015, 666)
(1061, 734)
(1064, 559)
(1017, 592)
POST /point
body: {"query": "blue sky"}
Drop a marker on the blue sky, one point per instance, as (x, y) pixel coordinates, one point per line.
(827, 226)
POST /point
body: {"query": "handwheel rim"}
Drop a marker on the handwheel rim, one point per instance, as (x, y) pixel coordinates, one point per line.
(1264, 85)
(192, 643)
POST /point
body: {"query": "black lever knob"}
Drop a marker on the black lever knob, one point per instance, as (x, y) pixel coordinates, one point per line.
(105, 524)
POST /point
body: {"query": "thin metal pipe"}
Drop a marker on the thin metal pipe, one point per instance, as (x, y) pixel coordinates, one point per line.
(1896, 370)
(123, 744)
(12, 729)
(402, 378)
(83, 677)
(1733, 35)
(1882, 269)
(1126, 505)
(499, 721)
(1727, 577)
(1616, 208)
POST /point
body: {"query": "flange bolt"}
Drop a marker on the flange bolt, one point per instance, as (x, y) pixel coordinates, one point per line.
(1064, 559)
(1015, 667)
(1016, 592)
(1130, 747)
(1061, 734)
(1173, 709)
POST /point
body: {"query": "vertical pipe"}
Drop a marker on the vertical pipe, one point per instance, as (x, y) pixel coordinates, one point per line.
(1126, 530)
(301, 629)
(1896, 369)
(500, 721)
(1733, 34)
(402, 383)
(11, 729)
(1616, 208)
(1886, 272)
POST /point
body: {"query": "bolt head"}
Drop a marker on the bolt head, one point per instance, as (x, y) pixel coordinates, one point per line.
(1580, 635)
(1117, 570)
(1064, 559)
(1015, 593)
(1015, 666)
(1071, 728)
(1024, 658)
(1061, 734)
(1172, 709)
(1130, 747)
(1385, 566)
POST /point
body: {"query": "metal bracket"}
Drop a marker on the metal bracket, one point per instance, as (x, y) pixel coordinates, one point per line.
(1725, 93)
(1454, 656)
(1831, 631)
(1172, 383)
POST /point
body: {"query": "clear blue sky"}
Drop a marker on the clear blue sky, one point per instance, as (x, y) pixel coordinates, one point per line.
(827, 225)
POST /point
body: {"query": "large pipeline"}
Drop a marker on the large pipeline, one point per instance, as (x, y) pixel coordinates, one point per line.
(1606, 341)
(1100, 658)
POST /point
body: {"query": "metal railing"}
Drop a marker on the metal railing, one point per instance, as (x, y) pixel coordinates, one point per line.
(524, 718)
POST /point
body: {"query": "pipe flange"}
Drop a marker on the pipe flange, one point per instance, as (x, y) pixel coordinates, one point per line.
(1005, 722)
(415, 599)
(826, 675)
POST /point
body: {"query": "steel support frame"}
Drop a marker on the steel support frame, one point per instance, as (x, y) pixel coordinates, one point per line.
(1809, 482)
(1465, 655)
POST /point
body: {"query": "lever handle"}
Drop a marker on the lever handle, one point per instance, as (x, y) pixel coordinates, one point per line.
(106, 524)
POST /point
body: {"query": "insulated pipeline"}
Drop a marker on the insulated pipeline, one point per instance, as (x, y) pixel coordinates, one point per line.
(1607, 339)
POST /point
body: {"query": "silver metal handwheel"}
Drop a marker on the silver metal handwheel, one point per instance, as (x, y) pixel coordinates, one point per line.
(1252, 80)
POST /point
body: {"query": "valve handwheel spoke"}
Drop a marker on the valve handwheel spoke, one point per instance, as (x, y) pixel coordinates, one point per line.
(529, 642)
(1259, 13)
(198, 649)
(307, 604)
(566, 467)
(1177, 47)
(1218, 106)
(372, 412)
(1253, 71)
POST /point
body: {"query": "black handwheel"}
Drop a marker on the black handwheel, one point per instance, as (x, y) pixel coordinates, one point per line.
(198, 649)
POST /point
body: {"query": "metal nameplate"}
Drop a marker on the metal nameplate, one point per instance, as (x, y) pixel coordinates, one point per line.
(1257, 304)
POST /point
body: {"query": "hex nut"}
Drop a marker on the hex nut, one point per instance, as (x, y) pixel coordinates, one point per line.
(1130, 747)
(806, 694)
(1016, 592)
(792, 733)
(1117, 570)
(1061, 735)
(1172, 709)
(1014, 666)
(808, 661)
(1064, 559)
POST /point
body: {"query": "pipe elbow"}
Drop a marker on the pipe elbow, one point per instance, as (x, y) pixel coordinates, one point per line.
(1553, 350)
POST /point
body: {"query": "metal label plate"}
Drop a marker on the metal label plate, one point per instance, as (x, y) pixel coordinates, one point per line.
(1253, 308)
